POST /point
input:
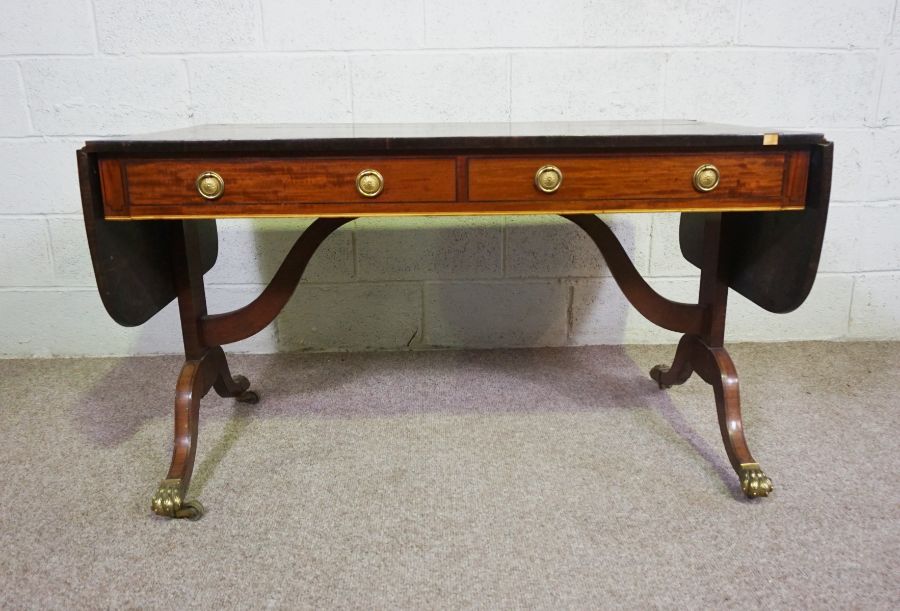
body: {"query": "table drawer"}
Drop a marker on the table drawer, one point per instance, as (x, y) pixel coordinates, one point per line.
(176, 183)
(644, 176)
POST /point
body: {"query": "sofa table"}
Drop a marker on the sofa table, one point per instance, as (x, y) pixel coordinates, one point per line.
(753, 207)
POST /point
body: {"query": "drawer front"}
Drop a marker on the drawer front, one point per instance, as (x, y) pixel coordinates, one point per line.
(644, 176)
(245, 182)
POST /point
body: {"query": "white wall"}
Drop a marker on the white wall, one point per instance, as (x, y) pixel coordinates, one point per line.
(75, 69)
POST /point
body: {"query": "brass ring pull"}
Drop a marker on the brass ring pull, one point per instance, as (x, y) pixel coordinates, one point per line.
(369, 183)
(548, 178)
(210, 185)
(706, 177)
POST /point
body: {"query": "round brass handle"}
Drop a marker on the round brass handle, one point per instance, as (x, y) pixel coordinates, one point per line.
(369, 183)
(548, 178)
(210, 185)
(706, 177)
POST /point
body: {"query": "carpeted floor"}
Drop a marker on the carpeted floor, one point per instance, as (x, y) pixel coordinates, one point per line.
(526, 478)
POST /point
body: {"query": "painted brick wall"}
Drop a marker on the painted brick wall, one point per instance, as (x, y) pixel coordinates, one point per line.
(74, 69)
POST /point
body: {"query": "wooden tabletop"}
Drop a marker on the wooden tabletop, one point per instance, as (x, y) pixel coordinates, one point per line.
(410, 137)
(447, 168)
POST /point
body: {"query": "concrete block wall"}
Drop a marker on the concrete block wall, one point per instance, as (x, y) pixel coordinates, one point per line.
(76, 69)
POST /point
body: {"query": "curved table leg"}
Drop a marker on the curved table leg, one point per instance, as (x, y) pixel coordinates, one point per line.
(206, 367)
(681, 368)
(197, 377)
(193, 383)
(228, 327)
(672, 315)
(715, 366)
(704, 353)
(228, 386)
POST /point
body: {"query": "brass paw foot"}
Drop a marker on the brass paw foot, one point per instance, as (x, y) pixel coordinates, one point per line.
(167, 502)
(753, 481)
(657, 374)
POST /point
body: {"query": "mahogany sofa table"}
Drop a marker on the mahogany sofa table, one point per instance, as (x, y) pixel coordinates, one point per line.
(753, 208)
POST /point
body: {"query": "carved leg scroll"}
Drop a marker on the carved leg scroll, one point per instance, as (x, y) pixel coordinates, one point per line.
(228, 386)
(681, 368)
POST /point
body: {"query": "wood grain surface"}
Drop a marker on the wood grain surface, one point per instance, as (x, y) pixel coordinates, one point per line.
(642, 176)
(285, 181)
(465, 184)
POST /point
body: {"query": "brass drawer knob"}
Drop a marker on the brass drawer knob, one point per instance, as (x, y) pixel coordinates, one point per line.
(548, 178)
(369, 183)
(210, 185)
(706, 177)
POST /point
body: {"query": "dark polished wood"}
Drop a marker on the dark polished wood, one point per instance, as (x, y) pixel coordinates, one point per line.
(292, 186)
(433, 138)
(205, 368)
(746, 178)
(310, 170)
(133, 261)
(671, 315)
(775, 256)
(285, 181)
(151, 238)
(705, 353)
(144, 188)
(252, 318)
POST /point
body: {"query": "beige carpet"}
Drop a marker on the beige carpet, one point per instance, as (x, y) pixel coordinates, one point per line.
(529, 478)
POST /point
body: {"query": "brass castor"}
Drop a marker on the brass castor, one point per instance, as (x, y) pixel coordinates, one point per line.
(754, 482)
(191, 510)
(246, 396)
(167, 502)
